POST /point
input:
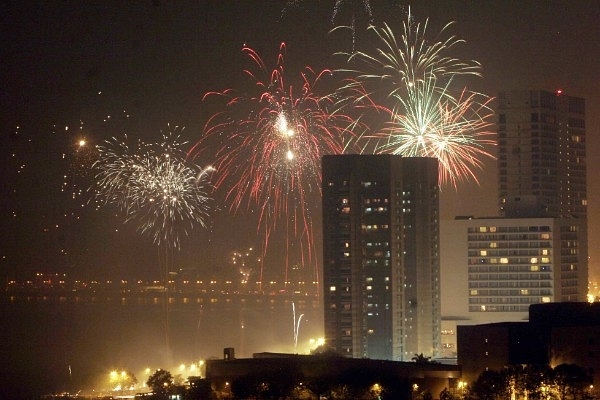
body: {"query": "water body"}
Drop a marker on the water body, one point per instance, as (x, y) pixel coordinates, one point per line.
(54, 343)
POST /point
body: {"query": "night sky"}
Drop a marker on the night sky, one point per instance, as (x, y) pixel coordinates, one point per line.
(95, 69)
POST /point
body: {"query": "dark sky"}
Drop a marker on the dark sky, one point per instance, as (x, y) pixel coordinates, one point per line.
(147, 64)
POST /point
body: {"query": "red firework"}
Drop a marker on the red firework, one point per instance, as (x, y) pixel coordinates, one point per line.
(270, 146)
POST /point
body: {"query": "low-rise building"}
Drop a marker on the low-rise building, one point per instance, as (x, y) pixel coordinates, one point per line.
(556, 333)
(411, 376)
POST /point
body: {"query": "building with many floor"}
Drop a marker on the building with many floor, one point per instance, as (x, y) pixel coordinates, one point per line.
(535, 250)
(541, 154)
(496, 268)
(381, 276)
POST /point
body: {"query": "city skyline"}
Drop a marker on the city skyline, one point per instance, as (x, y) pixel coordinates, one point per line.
(77, 74)
(133, 69)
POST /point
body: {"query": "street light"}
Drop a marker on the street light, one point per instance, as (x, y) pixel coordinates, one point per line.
(461, 386)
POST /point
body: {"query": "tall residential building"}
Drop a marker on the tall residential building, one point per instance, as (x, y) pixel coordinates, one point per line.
(381, 275)
(541, 154)
(494, 268)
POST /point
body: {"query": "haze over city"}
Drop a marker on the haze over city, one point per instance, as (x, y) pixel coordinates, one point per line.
(135, 71)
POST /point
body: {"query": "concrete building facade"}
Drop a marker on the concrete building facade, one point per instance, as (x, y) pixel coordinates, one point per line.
(536, 250)
(381, 276)
(541, 154)
(496, 268)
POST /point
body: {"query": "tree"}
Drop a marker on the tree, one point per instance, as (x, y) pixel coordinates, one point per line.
(536, 381)
(421, 359)
(571, 380)
(160, 382)
(319, 385)
(490, 385)
(123, 380)
(246, 386)
(198, 389)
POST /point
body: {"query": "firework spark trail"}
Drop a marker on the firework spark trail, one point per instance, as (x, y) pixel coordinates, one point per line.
(272, 142)
(434, 124)
(409, 80)
(339, 5)
(154, 186)
(401, 63)
(296, 325)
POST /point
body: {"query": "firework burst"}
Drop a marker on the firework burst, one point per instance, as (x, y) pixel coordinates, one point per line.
(271, 143)
(402, 63)
(435, 124)
(408, 80)
(154, 186)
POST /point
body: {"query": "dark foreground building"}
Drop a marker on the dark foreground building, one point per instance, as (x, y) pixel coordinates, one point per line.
(556, 333)
(325, 373)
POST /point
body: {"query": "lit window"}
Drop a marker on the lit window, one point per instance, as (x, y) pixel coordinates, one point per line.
(492, 229)
(473, 292)
(533, 260)
(483, 253)
(545, 299)
(545, 260)
(493, 245)
(545, 252)
(534, 268)
(332, 288)
(483, 229)
(525, 292)
(545, 236)
(504, 260)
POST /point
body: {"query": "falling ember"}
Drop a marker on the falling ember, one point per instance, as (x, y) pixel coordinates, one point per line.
(259, 134)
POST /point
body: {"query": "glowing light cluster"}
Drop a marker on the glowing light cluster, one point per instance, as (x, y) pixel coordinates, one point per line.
(154, 186)
(271, 143)
(409, 79)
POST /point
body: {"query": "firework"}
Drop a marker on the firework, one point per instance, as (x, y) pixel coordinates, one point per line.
(402, 63)
(245, 262)
(271, 143)
(435, 124)
(352, 15)
(354, 5)
(154, 186)
(409, 81)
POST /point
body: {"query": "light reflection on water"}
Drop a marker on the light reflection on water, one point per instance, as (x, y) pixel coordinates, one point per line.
(44, 336)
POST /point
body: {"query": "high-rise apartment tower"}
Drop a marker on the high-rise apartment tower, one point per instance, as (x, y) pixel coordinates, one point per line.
(494, 268)
(381, 267)
(541, 154)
